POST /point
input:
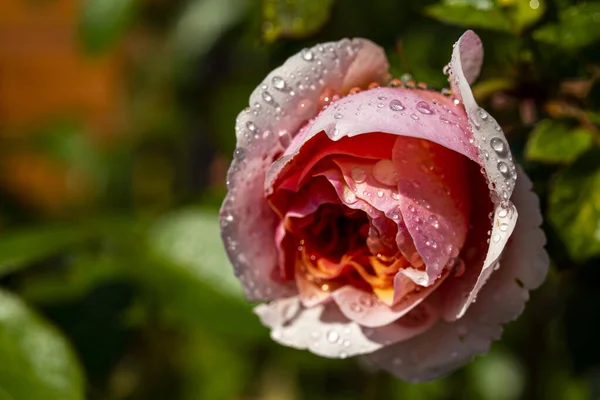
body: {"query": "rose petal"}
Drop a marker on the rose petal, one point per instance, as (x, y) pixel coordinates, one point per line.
(434, 200)
(407, 112)
(278, 108)
(368, 311)
(494, 152)
(448, 345)
(325, 331)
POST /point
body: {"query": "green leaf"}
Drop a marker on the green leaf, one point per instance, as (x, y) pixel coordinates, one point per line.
(577, 27)
(470, 15)
(25, 246)
(574, 206)
(294, 18)
(202, 23)
(525, 13)
(37, 362)
(556, 142)
(103, 22)
(191, 239)
(193, 280)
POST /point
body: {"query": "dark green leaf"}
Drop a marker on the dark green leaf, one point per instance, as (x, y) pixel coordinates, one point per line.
(524, 13)
(574, 206)
(37, 362)
(556, 142)
(103, 22)
(467, 15)
(201, 25)
(19, 248)
(578, 26)
(192, 277)
(294, 18)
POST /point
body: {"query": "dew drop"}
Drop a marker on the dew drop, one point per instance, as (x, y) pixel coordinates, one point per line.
(433, 221)
(414, 116)
(267, 97)
(396, 105)
(424, 108)
(366, 301)
(503, 168)
(496, 238)
(482, 114)
(337, 115)
(498, 146)
(250, 125)
(384, 172)
(358, 175)
(380, 193)
(332, 336)
(356, 307)
(503, 227)
(278, 83)
(308, 55)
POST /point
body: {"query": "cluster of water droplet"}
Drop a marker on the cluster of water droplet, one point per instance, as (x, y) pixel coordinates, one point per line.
(497, 161)
(285, 100)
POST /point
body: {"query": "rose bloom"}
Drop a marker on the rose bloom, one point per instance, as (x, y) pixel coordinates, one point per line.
(378, 217)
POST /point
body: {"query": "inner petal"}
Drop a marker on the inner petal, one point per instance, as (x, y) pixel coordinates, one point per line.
(435, 200)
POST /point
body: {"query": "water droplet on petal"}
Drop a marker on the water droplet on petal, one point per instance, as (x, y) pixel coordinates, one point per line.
(278, 82)
(433, 221)
(503, 227)
(267, 97)
(498, 146)
(358, 175)
(337, 115)
(396, 105)
(332, 336)
(414, 116)
(385, 172)
(482, 114)
(308, 55)
(503, 168)
(424, 108)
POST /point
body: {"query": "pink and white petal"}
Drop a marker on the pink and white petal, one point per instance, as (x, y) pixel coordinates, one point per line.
(278, 107)
(448, 345)
(367, 310)
(506, 221)
(406, 112)
(494, 152)
(325, 331)
(434, 198)
(471, 55)
(310, 293)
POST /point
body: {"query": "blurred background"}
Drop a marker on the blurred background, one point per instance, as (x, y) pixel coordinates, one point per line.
(116, 130)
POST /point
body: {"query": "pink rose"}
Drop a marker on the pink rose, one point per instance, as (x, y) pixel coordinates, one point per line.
(371, 218)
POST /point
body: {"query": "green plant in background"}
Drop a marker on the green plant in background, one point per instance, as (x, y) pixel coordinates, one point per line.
(129, 295)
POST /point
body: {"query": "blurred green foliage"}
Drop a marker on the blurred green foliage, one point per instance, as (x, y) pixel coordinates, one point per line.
(124, 290)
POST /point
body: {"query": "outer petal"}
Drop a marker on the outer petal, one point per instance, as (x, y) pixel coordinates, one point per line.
(325, 331)
(448, 345)
(368, 311)
(407, 112)
(287, 97)
(494, 152)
